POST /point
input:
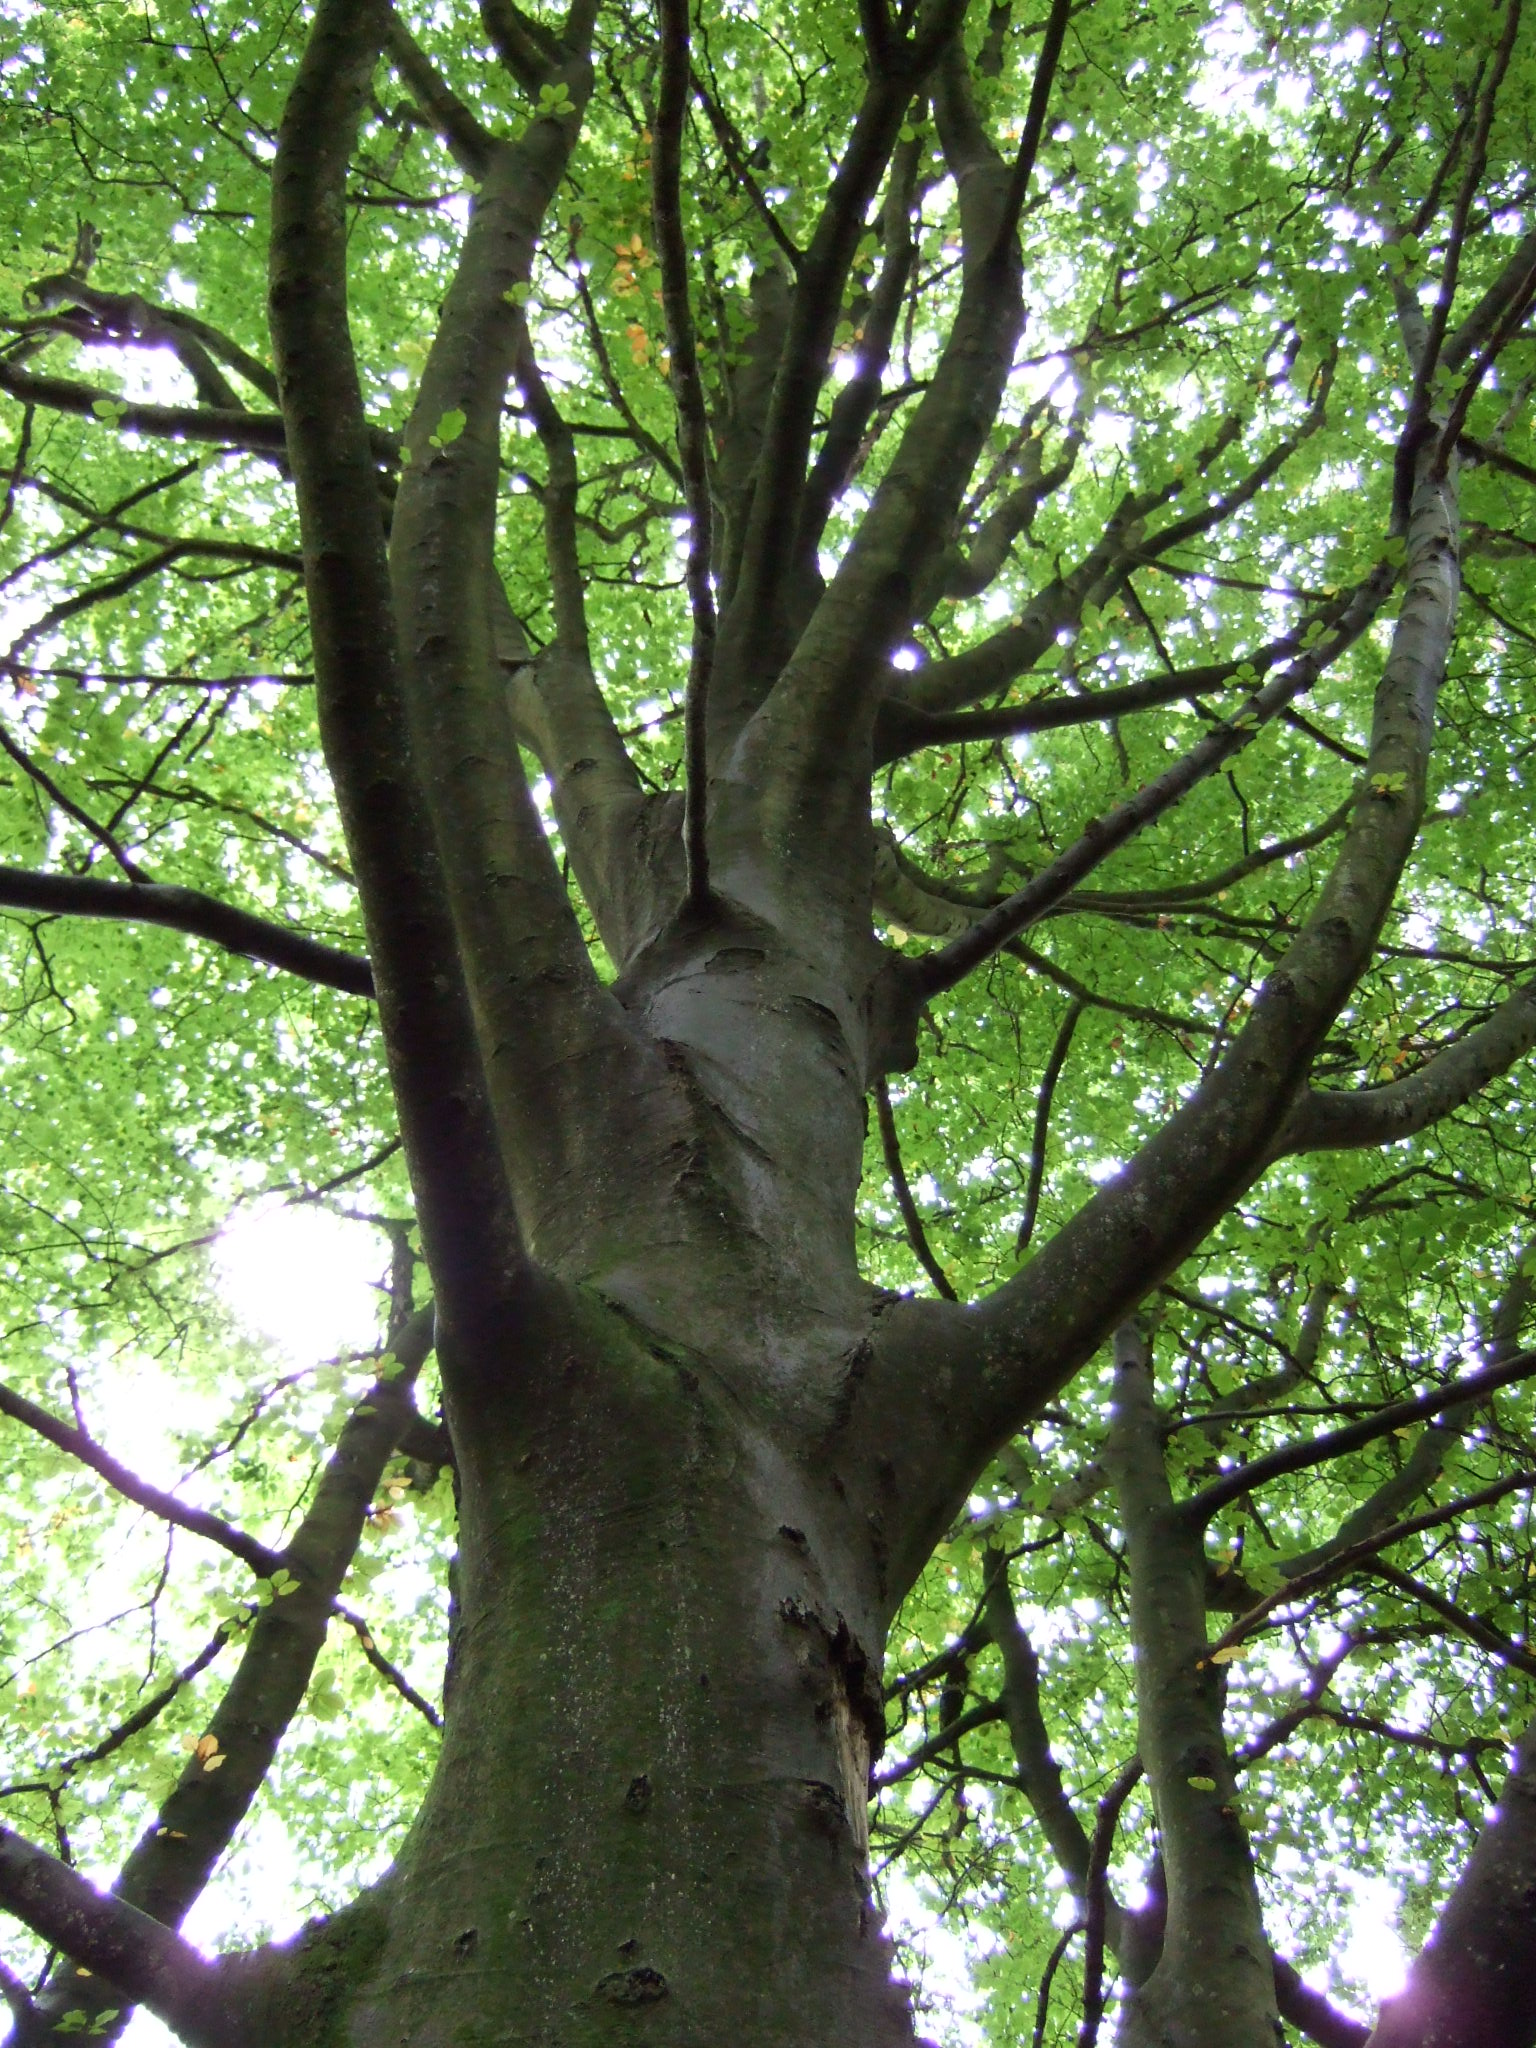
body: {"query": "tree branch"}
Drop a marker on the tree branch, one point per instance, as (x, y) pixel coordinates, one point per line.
(467, 1220)
(1455, 1616)
(1342, 1561)
(1214, 1948)
(917, 1236)
(549, 1034)
(815, 725)
(1473, 1982)
(1010, 1353)
(1043, 1101)
(1332, 1120)
(692, 426)
(1034, 119)
(127, 319)
(466, 138)
(527, 49)
(1417, 413)
(1198, 1508)
(752, 630)
(173, 1860)
(107, 1938)
(731, 148)
(66, 1437)
(259, 433)
(189, 911)
(980, 1716)
(854, 405)
(103, 836)
(905, 726)
(390, 1673)
(1039, 1772)
(944, 969)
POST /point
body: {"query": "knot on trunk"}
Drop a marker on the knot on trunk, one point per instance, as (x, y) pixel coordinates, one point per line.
(640, 1986)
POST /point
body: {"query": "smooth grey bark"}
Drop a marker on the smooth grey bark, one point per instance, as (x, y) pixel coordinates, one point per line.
(700, 1461)
(1214, 1984)
(650, 1805)
(1473, 1985)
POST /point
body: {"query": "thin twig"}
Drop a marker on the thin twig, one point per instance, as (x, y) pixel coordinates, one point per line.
(917, 1236)
(1043, 1102)
(1098, 1899)
(392, 1672)
(1047, 1978)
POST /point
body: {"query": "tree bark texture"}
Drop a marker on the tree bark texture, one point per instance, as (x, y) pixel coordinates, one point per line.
(699, 1459)
(648, 1821)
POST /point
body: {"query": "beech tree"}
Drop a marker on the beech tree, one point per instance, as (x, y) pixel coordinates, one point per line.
(830, 708)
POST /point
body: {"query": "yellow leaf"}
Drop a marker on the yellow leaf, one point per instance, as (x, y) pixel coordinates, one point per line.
(214, 1763)
(205, 1745)
(1229, 1655)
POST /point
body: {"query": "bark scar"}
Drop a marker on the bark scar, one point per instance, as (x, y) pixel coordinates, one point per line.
(640, 1986)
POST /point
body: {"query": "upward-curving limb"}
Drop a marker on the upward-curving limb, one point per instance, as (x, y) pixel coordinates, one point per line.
(1011, 1352)
(439, 1079)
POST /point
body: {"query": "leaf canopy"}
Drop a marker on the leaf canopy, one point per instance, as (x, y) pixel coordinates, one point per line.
(1239, 224)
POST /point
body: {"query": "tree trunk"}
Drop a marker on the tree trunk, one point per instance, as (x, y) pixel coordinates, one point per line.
(649, 1816)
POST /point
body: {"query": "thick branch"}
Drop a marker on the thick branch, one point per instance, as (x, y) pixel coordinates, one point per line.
(110, 1939)
(692, 424)
(1018, 1348)
(527, 49)
(1034, 118)
(752, 629)
(815, 727)
(1473, 1983)
(467, 1222)
(551, 1038)
(1335, 1443)
(1326, 1121)
(854, 405)
(468, 141)
(1214, 1982)
(188, 910)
